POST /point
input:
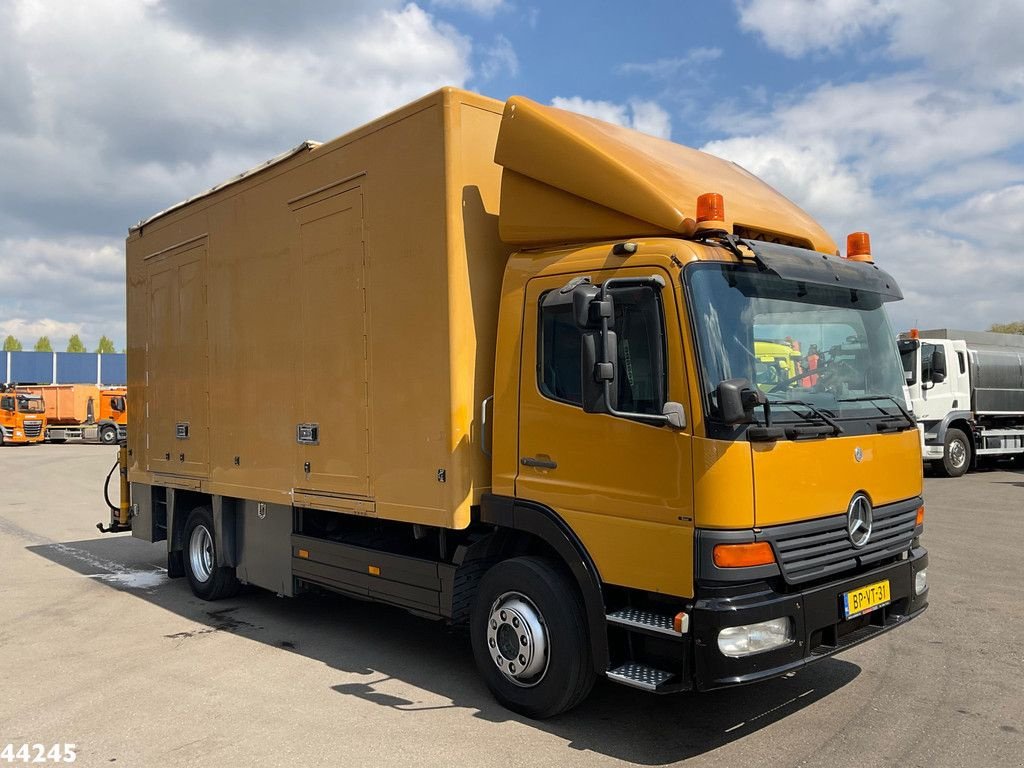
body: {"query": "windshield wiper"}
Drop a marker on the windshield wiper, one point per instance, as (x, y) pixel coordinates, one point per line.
(836, 429)
(911, 421)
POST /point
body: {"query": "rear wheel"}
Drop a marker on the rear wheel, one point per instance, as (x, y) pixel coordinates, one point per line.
(108, 435)
(956, 454)
(530, 639)
(207, 578)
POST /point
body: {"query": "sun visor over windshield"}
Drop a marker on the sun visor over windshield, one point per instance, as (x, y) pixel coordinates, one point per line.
(806, 266)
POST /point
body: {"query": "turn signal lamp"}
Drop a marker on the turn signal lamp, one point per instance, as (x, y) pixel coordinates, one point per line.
(858, 247)
(920, 516)
(711, 210)
(681, 623)
(743, 555)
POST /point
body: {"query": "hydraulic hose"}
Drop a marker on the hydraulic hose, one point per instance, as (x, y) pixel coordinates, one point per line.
(106, 486)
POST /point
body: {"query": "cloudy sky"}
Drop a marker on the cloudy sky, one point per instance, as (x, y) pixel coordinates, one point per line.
(902, 117)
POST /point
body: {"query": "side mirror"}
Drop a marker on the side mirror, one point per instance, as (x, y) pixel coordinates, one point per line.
(674, 415)
(737, 400)
(588, 308)
(595, 373)
(939, 365)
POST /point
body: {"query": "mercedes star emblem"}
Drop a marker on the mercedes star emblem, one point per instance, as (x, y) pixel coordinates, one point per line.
(859, 520)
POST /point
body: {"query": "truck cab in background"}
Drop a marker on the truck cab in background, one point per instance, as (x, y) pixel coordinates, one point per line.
(22, 418)
(967, 393)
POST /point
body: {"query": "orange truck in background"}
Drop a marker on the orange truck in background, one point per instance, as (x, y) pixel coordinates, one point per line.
(22, 417)
(84, 412)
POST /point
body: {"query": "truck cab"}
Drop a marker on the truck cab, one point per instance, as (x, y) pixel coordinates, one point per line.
(966, 389)
(22, 418)
(113, 413)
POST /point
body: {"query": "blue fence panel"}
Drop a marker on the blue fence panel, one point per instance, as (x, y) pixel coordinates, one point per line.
(31, 367)
(114, 370)
(76, 368)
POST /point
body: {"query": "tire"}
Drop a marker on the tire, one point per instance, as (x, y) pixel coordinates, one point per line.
(108, 435)
(208, 579)
(956, 454)
(554, 672)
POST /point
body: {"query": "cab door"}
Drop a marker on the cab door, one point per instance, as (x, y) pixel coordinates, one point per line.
(623, 485)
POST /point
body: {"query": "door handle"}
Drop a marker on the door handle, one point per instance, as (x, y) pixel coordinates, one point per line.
(547, 463)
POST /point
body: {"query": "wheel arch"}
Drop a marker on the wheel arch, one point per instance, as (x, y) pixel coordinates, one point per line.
(528, 527)
(963, 420)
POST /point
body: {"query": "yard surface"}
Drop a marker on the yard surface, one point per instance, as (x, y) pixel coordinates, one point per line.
(99, 649)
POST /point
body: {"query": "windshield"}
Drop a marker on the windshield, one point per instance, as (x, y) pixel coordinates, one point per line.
(28, 404)
(795, 341)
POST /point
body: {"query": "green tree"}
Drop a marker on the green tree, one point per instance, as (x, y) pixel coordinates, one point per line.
(75, 344)
(1015, 327)
(106, 346)
(11, 344)
(43, 345)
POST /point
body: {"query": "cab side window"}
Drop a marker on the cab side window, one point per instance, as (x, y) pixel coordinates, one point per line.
(640, 369)
(7, 403)
(559, 354)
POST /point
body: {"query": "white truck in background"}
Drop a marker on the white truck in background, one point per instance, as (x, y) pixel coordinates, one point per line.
(967, 393)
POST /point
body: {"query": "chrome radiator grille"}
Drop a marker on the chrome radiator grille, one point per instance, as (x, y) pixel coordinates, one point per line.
(821, 548)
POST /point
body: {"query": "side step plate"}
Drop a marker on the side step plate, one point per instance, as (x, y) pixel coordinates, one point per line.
(646, 621)
(638, 675)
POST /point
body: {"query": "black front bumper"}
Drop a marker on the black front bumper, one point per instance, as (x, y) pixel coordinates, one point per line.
(820, 629)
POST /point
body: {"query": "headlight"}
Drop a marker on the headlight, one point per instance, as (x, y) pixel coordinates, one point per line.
(755, 638)
(921, 581)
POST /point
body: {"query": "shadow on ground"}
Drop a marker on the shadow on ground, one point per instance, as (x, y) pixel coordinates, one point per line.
(379, 644)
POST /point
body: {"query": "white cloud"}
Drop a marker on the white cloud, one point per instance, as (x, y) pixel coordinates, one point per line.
(927, 160)
(29, 331)
(122, 116)
(482, 7)
(114, 109)
(797, 27)
(974, 41)
(811, 173)
(498, 58)
(57, 287)
(645, 116)
(671, 68)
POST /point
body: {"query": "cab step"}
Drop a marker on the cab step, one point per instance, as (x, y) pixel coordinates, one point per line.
(637, 675)
(647, 621)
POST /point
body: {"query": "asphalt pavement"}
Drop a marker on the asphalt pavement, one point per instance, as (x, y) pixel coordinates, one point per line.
(100, 650)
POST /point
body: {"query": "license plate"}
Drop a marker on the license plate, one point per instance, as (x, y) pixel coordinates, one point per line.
(867, 598)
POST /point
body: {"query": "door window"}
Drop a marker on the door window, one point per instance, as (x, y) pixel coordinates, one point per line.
(640, 370)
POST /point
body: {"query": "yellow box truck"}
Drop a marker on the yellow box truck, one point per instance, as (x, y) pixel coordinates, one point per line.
(518, 395)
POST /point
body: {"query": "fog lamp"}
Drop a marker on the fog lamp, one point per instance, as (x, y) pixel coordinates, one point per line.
(921, 581)
(748, 639)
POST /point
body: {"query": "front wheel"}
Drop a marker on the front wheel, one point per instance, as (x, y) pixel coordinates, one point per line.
(108, 435)
(207, 578)
(956, 454)
(530, 640)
